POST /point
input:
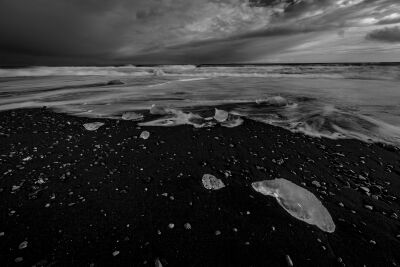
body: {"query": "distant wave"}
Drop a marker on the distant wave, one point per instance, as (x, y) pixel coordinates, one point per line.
(391, 72)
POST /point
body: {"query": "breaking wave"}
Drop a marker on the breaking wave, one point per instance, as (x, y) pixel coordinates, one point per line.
(193, 95)
(325, 121)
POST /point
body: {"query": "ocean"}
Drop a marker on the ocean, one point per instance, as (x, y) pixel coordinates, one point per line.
(360, 101)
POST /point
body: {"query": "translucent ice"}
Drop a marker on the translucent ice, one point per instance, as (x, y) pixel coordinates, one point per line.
(93, 126)
(211, 182)
(221, 115)
(132, 116)
(159, 110)
(298, 202)
(145, 135)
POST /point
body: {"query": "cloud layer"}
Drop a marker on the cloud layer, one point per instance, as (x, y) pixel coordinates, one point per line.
(387, 34)
(181, 31)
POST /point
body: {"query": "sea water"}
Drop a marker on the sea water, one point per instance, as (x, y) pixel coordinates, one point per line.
(359, 101)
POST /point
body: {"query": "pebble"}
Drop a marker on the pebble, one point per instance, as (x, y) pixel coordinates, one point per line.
(316, 183)
(369, 207)
(171, 226)
(217, 232)
(115, 253)
(23, 245)
(289, 261)
(19, 259)
(187, 226)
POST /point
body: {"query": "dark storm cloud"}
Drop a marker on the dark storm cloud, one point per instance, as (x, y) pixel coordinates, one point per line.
(387, 34)
(108, 32)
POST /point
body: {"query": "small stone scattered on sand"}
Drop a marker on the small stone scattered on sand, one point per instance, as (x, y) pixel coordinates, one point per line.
(145, 135)
(23, 245)
(115, 253)
(289, 261)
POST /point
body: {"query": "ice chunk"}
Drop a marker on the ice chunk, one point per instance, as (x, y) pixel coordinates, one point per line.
(158, 110)
(211, 182)
(145, 135)
(177, 117)
(93, 126)
(298, 202)
(132, 116)
(221, 115)
(232, 122)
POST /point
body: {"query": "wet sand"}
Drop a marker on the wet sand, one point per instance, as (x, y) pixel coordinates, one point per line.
(110, 198)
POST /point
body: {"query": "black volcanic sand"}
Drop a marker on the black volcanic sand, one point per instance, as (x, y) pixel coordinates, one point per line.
(78, 197)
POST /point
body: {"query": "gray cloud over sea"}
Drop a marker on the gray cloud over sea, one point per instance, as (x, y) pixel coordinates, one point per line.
(73, 32)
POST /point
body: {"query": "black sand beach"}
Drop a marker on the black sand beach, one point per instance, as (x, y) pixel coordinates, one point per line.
(109, 198)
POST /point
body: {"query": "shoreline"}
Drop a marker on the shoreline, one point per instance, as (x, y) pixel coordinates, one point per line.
(78, 197)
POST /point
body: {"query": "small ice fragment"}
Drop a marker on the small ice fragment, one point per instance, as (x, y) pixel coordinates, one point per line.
(132, 116)
(19, 259)
(187, 226)
(2, 234)
(145, 135)
(221, 115)
(211, 182)
(23, 245)
(298, 202)
(171, 226)
(157, 110)
(93, 126)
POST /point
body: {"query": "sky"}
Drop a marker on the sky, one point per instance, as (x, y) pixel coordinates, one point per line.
(106, 32)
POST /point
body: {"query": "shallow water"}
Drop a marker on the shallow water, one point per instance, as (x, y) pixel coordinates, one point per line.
(335, 101)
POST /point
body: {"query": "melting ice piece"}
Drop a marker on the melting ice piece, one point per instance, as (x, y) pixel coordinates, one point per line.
(93, 126)
(298, 202)
(211, 182)
(177, 117)
(145, 135)
(158, 110)
(233, 121)
(221, 115)
(132, 116)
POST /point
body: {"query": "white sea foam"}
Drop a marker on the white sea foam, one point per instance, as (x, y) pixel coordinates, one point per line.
(340, 108)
